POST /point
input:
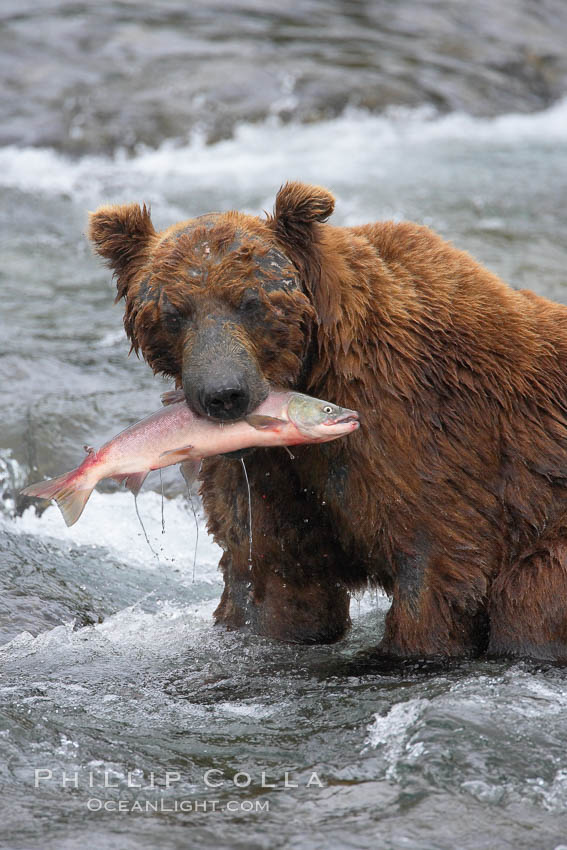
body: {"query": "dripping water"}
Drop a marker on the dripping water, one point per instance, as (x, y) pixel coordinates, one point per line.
(249, 515)
(155, 554)
(190, 497)
(162, 513)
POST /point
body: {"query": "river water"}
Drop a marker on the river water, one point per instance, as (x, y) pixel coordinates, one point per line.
(116, 691)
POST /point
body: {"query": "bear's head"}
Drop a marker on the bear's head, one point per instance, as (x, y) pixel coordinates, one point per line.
(222, 302)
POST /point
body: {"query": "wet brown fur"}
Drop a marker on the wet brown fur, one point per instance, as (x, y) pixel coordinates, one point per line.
(452, 496)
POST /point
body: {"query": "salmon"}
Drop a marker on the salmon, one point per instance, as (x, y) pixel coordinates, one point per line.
(174, 434)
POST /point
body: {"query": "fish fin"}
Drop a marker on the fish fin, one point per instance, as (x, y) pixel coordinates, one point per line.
(134, 481)
(178, 455)
(70, 499)
(264, 423)
(189, 470)
(172, 397)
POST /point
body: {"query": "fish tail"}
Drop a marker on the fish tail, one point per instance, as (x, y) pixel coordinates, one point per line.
(67, 491)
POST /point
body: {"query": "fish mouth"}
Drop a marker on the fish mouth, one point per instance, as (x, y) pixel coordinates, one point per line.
(345, 419)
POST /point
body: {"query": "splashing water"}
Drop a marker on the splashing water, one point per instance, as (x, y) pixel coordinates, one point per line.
(249, 515)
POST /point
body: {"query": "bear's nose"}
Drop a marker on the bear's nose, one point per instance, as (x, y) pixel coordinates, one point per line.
(225, 403)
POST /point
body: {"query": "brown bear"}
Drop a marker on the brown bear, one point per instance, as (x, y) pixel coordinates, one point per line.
(452, 496)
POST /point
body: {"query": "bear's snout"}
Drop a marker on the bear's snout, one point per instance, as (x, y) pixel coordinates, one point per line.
(226, 401)
(220, 376)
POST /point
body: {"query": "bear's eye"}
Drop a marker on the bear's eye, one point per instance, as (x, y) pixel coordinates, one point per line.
(172, 321)
(172, 318)
(250, 301)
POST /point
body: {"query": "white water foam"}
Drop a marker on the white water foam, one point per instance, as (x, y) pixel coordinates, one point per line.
(169, 631)
(369, 602)
(110, 521)
(393, 731)
(495, 711)
(344, 152)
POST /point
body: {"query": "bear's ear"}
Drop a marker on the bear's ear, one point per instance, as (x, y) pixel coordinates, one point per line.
(298, 206)
(121, 235)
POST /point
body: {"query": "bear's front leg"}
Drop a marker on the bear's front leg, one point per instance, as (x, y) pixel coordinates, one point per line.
(433, 618)
(263, 601)
(287, 586)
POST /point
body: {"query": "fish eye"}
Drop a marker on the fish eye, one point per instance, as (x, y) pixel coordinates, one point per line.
(327, 409)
